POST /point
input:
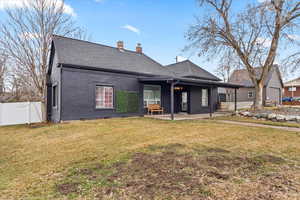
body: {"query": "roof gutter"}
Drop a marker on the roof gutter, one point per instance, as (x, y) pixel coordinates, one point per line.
(106, 70)
(189, 81)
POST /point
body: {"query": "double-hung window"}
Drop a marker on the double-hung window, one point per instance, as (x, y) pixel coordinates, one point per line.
(152, 95)
(204, 97)
(104, 97)
(250, 94)
(292, 89)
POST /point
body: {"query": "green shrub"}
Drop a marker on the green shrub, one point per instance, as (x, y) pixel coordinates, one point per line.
(127, 102)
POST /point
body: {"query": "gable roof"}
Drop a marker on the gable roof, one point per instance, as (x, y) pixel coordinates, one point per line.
(82, 53)
(295, 82)
(190, 70)
(241, 76)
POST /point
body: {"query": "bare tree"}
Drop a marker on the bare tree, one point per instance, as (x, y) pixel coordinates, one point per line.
(223, 71)
(254, 34)
(292, 63)
(3, 71)
(227, 63)
(26, 37)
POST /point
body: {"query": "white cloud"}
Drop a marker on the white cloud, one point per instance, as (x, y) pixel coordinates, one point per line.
(21, 3)
(267, 2)
(131, 28)
(266, 42)
(294, 37)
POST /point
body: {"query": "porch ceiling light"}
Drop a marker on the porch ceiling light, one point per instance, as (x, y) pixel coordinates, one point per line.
(178, 88)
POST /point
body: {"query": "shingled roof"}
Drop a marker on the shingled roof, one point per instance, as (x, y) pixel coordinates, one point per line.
(82, 53)
(188, 69)
(295, 82)
(241, 76)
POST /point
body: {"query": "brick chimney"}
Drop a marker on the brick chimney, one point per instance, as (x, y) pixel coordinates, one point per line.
(139, 48)
(120, 45)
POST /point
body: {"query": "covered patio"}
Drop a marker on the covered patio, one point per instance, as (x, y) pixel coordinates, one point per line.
(193, 91)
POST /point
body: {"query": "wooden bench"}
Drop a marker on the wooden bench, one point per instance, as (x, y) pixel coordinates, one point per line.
(155, 108)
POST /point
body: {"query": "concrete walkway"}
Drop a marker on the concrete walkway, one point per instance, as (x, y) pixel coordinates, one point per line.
(185, 116)
(260, 125)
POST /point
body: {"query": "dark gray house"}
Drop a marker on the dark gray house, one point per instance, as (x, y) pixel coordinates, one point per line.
(87, 81)
(273, 86)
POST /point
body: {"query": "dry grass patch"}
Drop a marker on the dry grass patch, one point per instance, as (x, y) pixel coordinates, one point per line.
(35, 161)
(178, 172)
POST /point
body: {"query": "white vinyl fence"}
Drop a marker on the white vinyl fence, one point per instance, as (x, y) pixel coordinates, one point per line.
(20, 113)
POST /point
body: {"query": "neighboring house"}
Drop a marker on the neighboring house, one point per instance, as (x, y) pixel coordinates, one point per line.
(87, 81)
(292, 88)
(273, 86)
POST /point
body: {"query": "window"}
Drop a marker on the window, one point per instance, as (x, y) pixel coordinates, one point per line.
(204, 97)
(292, 89)
(54, 96)
(250, 94)
(230, 97)
(104, 97)
(152, 94)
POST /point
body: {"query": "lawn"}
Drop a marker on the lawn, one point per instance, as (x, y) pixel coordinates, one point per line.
(138, 158)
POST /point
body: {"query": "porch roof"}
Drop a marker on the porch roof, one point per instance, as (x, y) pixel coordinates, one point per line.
(189, 81)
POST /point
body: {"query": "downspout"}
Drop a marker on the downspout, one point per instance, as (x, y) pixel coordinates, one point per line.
(60, 93)
(49, 97)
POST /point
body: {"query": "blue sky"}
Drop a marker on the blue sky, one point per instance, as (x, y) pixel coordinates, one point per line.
(159, 25)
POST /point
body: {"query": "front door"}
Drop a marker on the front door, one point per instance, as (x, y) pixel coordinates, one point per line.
(184, 102)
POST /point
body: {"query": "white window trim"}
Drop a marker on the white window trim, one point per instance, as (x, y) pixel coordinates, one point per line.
(292, 89)
(113, 93)
(153, 101)
(206, 98)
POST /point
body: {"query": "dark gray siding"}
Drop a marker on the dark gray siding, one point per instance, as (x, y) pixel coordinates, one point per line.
(196, 98)
(165, 97)
(78, 89)
(55, 79)
(76, 94)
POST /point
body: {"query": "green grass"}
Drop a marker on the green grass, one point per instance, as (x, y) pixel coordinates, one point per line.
(257, 121)
(33, 161)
